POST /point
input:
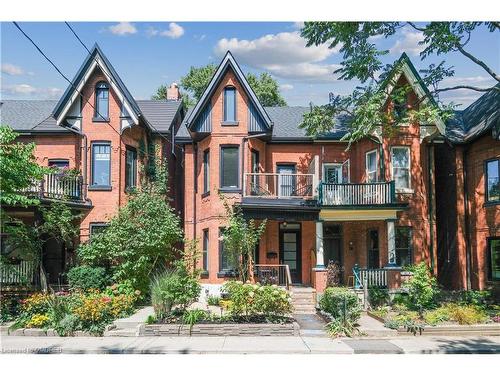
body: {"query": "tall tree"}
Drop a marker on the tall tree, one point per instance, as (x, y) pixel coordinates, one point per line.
(18, 169)
(362, 61)
(196, 81)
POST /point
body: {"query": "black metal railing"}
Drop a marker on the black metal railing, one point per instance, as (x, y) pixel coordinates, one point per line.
(278, 185)
(273, 274)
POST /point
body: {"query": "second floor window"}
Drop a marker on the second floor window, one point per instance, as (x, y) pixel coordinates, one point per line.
(229, 104)
(493, 180)
(60, 164)
(229, 170)
(206, 171)
(101, 102)
(101, 165)
(371, 166)
(130, 168)
(400, 158)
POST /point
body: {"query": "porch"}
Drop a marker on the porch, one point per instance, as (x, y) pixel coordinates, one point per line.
(59, 186)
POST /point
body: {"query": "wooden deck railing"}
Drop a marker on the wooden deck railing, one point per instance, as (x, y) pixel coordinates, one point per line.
(273, 274)
(365, 194)
(58, 186)
(22, 273)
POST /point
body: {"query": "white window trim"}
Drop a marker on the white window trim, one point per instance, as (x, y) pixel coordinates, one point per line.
(326, 165)
(376, 164)
(409, 189)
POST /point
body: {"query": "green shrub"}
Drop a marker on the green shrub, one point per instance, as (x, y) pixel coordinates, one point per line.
(171, 288)
(191, 317)
(213, 300)
(67, 325)
(378, 296)
(87, 278)
(340, 302)
(466, 314)
(439, 315)
(422, 288)
(246, 300)
(478, 298)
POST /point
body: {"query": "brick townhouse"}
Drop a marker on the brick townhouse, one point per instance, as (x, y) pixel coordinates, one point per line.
(105, 137)
(428, 193)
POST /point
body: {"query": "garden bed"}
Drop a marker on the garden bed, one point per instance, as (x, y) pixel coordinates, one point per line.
(221, 329)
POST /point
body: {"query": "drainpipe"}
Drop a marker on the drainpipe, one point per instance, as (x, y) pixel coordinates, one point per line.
(430, 159)
(195, 186)
(466, 216)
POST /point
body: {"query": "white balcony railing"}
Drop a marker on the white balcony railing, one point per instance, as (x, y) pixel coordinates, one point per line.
(279, 185)
(363, 194)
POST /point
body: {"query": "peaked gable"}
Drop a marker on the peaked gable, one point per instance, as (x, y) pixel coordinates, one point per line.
(96, 59)
(198, 120)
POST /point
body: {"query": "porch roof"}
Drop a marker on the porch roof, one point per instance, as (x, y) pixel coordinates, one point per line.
(280, 209)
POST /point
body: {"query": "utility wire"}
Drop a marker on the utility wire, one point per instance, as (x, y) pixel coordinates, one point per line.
(71, 83)
(111, 80)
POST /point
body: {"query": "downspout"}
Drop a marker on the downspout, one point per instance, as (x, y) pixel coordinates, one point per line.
(466, 216)
(430, 160)
(195, 187)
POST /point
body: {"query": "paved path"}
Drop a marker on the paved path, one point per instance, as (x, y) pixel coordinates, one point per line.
(271, 345)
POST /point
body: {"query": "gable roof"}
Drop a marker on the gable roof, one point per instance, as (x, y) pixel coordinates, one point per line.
(94, 59)
(228, 62)
(477, 119)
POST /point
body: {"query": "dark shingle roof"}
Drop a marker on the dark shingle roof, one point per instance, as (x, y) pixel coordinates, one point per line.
(36, 115)
(29, 115)
(160, 113)
(476, 119)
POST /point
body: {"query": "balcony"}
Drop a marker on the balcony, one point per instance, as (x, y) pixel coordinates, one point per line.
(365, 194)
(60, 187)
(279, 186)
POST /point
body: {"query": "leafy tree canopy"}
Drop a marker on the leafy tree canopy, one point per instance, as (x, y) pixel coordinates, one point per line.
(197, 79)
(367, 106)
(18, 169)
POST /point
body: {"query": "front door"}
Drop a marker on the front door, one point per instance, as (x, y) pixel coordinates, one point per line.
(373, 249)
(332, 240)
(290, 251)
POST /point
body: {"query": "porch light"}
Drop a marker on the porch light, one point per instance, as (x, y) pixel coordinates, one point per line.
(351, 245)
(285, 224)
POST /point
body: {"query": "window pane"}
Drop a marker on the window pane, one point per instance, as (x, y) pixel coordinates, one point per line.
(60, 164)
(493, 181)
(131, 168)
(403, 246)
(371, 166)
(229, 167)
(402, 177)
(102, 101)
(229, 104)
(97, 228)
(401, 167)
(205, 250)
(495, 259)
(400, 157)
(100, 165)
(226, 263)
(206, 171)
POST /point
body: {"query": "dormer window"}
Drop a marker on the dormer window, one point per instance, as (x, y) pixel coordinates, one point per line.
(230, 105)
(101, 102)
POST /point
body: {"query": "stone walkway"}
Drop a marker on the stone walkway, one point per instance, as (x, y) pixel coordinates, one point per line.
(311, 325)
(244, 345)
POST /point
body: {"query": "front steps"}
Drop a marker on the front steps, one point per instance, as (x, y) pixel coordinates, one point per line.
(303, 300)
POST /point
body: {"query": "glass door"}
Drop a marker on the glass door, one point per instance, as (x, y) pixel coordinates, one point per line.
(286, 180)
(290, 249)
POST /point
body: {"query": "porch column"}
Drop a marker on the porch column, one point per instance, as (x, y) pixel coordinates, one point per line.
(320, 260)
(391, 244)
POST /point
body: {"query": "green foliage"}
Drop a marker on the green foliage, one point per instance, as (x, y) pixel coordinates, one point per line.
(378, 296)
(173, 288)
(439, 315)
(67, 325)
(161, 93)
(88, 277)
(213, 300)
(422, 288)
(480, 298)
(59, 223)
(240, 238)
(366, 106)
(194, 316)
(466, 314)
(340, 303)
(248, 300)
(339, 327)
(266, 88)
(140, 239)
(18, 169)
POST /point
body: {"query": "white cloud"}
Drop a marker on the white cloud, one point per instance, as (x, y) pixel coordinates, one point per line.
(284, 54)
(298, 25)
(408, 42)
(123, 28)
(11, 69)
(24, 89)
(480, 81)
(174, 31)
(286, 87)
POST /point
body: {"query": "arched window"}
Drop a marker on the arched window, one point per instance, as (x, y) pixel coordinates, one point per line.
(101, 101)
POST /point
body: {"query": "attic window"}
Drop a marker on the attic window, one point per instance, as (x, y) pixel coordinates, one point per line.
(101, 101)
(230, 105)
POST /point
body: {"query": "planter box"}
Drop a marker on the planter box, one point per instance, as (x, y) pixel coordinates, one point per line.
(223, 329)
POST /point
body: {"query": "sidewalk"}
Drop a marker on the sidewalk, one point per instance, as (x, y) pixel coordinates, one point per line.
(248, 345)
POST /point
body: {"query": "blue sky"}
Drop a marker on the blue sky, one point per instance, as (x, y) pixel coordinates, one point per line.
(149, 54)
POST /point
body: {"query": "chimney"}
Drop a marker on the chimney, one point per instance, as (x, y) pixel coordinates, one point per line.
(173, 92)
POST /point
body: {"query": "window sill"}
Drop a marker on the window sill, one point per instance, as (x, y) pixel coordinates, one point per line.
(130, 189)
(99, 188)
(230, 190)
(100, 119)
(204, 275)
(224, 274)
(206, 194)
(230, 123)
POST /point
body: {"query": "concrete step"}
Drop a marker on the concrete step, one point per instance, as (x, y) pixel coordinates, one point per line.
(121, 333)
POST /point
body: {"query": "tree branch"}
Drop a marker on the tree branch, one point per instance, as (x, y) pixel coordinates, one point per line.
(481, 89)
(479, 62)
(415, 26)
